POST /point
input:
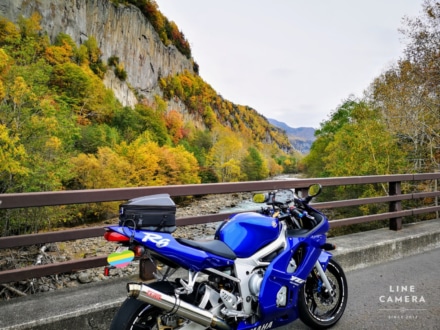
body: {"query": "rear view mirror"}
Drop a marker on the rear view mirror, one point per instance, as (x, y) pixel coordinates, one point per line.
(314, 190)
(259, 198)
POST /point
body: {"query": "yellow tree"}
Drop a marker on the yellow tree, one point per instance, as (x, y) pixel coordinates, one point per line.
(142, 157)
(225, 155)
(20, 97)
(59, 54)
(9, 33)
(105, 170)
(174, 123)
(12, 159)
(178, 166)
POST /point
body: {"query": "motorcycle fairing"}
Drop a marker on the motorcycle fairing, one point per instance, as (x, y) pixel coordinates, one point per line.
(168, 247)
(277, 276)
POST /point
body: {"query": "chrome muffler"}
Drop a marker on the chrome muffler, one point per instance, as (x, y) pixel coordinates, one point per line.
(174, 305)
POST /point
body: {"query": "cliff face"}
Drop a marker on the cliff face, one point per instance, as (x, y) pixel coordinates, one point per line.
(120, 31)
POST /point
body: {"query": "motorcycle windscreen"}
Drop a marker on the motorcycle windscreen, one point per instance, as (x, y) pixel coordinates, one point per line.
(246, 233)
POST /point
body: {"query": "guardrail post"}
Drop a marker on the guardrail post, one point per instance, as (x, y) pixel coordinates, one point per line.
(146, 269)
(395, 189)
(436, 197)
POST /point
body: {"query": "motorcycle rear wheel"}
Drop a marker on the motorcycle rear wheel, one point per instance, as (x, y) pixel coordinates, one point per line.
(316, 307)
(135, 314)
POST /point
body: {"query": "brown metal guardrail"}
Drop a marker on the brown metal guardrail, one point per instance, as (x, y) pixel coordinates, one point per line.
(23, 200)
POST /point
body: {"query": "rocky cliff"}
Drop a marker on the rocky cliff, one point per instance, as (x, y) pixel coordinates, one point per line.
(120, 31)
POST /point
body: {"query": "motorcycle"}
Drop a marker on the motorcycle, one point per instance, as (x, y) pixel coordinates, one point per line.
(263, 269)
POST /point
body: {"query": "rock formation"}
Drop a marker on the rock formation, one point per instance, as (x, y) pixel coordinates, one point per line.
(120, 30)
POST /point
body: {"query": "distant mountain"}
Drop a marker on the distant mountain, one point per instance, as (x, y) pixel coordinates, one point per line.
(301, 138)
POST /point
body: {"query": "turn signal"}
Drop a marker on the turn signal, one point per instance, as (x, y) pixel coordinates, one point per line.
(328, 246)
(138, 250)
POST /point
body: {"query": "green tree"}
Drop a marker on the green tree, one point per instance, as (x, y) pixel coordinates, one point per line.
(154, 123)
(354, 141)
(408, 92)
(94, 56)
(363, 147)
(31, 45)
(72, 83)
(253, 166)
(314, 164)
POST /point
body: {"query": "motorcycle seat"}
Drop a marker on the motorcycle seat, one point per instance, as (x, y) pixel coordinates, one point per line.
(214, 246)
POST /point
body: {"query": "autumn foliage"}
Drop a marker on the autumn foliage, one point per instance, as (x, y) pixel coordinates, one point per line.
(61, 128)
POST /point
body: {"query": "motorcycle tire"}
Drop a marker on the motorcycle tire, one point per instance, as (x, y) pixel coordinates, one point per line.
(317, 308)
(135, 314)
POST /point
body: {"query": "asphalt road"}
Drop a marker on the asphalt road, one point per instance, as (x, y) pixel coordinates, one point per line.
(402, 294)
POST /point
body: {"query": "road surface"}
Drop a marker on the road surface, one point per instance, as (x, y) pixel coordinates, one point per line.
(402, 294)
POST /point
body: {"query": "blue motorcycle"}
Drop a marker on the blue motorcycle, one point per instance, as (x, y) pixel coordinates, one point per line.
(262, 270)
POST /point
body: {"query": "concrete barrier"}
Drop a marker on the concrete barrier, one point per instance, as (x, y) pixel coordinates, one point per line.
(92, 306)
(365, 249)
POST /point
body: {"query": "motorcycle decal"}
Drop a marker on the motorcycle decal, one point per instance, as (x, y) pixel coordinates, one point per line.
(155, 238)
(296, 280)
(120, 259)
(153, 295)
(263, 326)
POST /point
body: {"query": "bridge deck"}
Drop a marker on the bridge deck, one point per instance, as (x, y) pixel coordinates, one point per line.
(91, 306)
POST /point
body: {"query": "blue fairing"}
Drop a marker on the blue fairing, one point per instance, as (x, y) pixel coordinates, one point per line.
(246, 233)
(277, 276)
(166, 245)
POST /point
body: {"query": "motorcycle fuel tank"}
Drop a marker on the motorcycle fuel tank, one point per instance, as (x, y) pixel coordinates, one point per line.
(246, 233)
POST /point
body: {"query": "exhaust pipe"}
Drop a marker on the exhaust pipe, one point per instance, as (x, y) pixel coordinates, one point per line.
(175, 305)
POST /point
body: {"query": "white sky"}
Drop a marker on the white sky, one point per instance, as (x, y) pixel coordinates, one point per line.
(292, 60)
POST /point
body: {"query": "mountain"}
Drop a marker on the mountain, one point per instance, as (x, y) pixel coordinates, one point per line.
(125, 33)
(122, 31)
(301, 138)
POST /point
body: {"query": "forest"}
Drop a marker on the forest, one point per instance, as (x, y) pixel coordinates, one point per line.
(61, 128)
(394, 128)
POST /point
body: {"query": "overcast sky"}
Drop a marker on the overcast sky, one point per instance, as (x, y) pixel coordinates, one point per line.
(292, 60)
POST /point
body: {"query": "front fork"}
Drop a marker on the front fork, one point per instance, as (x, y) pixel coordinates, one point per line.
(323, 261)
(323, 276)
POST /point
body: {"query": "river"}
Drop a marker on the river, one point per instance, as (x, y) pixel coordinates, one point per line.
(249, 205)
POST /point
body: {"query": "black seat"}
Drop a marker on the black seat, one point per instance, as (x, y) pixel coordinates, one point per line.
(214, 246)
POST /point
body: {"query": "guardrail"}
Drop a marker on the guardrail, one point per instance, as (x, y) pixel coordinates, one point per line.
(23, 200)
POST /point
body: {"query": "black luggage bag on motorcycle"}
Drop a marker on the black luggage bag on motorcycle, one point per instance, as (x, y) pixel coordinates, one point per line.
(154, 212)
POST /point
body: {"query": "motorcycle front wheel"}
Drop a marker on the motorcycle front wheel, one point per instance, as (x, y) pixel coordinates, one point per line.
(317, 308)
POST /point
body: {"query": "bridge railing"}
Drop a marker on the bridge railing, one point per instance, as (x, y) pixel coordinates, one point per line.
(23, 200)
